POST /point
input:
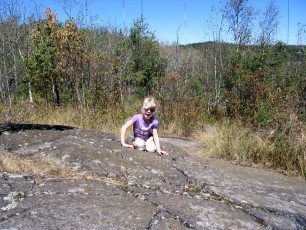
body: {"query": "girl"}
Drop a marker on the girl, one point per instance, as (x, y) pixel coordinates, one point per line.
(145, 129)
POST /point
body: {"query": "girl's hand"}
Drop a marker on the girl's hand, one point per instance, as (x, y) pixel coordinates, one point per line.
(128, 146)
(162, 153)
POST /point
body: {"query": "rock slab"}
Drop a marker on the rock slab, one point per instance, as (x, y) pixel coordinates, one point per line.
(131, 189)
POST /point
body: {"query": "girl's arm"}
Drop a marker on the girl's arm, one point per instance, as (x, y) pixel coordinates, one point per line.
(156, 140)
(123, 133)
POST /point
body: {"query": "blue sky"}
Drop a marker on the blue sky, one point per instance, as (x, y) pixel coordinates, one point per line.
(189, 20)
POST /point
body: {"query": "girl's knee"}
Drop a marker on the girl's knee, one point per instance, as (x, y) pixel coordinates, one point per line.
(150, 146)
(139, 143)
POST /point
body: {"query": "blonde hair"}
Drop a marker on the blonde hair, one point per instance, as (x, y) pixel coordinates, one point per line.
(149, 102)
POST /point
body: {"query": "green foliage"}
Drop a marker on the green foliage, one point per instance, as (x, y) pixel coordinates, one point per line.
(41, 65)
(245, 86)
(263, 114)
(148, 66)
(263, 88)
(57, 61)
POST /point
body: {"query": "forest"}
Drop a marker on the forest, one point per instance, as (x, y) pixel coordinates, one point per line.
(95, 77)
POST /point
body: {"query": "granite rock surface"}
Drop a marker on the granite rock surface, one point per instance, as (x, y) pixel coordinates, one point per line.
(131, 189)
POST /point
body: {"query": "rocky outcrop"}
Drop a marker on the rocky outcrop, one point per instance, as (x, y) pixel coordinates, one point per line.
(131, 189)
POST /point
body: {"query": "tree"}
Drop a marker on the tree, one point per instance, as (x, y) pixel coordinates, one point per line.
(56, 65)
(148, 65)
(13, 49)
(240, 18)
(269, 24)
(43, 73)
(72, 59)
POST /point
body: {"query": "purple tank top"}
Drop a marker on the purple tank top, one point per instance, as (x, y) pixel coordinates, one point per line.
(142, 129)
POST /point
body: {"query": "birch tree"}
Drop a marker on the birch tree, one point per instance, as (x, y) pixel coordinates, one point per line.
(240, 17)
(13, 47)
(268, 24)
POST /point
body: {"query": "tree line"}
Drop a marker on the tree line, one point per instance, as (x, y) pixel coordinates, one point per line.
(255, 79)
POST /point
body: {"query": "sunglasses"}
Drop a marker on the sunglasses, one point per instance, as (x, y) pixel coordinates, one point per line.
(149, 109)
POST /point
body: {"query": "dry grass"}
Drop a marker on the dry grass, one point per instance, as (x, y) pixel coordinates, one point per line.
(101, 120)
(82, 118)
(171, 129)
(109, 120)
(44, 169)
(280, 152)
(233, 142)
(40, 169)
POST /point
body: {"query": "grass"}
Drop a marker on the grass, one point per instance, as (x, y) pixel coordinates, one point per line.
(44, 169)
(95, 119)
(285, 153)
(234, 142)
(40, 169)
(109, 120)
